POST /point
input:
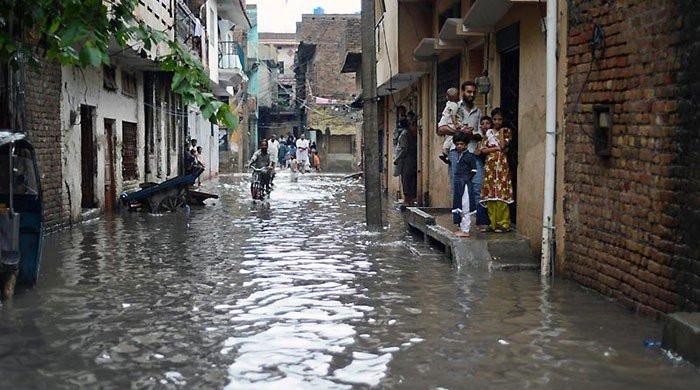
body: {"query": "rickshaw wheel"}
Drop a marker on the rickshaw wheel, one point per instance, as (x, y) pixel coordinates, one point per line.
(9, 280)
(171, 203)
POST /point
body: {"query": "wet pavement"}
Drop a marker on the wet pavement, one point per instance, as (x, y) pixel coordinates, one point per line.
(296, 294)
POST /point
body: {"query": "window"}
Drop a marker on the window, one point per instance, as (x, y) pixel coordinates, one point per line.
(109, 77)
(129, 151)
(128, 84)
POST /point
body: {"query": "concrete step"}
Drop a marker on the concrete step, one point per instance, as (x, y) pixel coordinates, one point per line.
(504, 251)
(682, 336)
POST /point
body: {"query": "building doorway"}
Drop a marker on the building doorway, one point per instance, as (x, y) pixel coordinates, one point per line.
(110, 166)
(508, 42)
(87, 157)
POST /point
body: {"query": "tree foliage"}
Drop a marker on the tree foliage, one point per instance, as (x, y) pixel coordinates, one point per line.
(81, 32)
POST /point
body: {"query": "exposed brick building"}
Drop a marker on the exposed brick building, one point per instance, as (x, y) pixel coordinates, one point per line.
(327, 33)
(43, 126)
(632, 202)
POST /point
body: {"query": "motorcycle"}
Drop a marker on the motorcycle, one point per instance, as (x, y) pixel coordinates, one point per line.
(260, 185)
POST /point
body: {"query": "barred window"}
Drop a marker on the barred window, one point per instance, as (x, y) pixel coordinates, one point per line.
(109, 77)
(128, 84)
(129, 151)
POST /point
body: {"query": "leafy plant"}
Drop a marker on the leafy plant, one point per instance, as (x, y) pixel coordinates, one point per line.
(79, 33)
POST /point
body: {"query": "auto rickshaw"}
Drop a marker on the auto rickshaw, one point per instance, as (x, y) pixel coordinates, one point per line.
(20, 214)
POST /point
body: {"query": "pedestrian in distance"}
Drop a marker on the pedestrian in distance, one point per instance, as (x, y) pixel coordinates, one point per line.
(200, 163)
(273, 147)
(406, 160)
(316, 161)
(303, 145)
(282, 154)
(497, 190)
(463, 204)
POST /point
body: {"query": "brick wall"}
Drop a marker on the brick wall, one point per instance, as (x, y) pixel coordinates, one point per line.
(630, 218)
(328, 33)
(43, 125)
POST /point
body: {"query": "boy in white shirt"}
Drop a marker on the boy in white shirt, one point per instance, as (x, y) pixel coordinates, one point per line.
(449, 120)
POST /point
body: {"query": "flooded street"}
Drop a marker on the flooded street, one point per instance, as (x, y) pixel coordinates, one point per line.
(296, 294)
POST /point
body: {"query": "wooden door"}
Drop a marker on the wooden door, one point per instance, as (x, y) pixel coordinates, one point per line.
(110, 164)
(87, 154)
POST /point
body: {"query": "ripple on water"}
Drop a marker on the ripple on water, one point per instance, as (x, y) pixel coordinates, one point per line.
(295, 293)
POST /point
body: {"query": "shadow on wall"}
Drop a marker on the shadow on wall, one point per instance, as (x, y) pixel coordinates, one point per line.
(687, 177)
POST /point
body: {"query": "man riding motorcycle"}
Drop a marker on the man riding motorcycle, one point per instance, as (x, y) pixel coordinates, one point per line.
(262, 164)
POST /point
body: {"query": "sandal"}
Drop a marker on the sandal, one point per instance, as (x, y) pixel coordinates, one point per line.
(499, 230)
(486, 229)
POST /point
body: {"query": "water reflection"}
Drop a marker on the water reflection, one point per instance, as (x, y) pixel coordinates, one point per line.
(294, 293)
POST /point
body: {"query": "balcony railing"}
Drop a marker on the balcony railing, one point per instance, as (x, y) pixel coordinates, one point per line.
(231, 56)
(188, 28)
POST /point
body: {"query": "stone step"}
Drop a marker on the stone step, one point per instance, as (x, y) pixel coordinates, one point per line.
(682, 335)
(504, 252)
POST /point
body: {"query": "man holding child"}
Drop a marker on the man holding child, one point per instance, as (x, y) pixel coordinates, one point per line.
(469, 117)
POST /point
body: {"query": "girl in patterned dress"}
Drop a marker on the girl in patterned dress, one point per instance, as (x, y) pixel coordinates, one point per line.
(497, 188)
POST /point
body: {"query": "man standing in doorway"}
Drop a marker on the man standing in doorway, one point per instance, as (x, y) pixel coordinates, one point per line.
(471, 122)
(470, 116)
(303, 153)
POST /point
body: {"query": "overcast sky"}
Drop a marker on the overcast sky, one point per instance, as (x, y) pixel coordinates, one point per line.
(282, 15)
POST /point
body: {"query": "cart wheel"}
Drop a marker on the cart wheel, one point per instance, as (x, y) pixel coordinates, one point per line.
(171, 203)
(8, 282)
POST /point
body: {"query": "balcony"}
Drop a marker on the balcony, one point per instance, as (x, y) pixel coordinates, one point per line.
(484, 14)
(398, 33)
(231, 63)
(188, 29)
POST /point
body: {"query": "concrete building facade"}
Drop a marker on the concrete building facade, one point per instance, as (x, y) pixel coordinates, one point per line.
(102, 131)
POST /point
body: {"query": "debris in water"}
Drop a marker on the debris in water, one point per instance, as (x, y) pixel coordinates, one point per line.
(649, 343)
(503, 342)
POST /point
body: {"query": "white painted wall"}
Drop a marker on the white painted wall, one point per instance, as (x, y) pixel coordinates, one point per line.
(212, 28)
(86, 88)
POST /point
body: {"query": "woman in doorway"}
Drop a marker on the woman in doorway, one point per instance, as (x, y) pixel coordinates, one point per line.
(497, 188)
(406, 160)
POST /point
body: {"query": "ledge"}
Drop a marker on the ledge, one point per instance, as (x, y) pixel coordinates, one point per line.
(682, 336)
(504, 252)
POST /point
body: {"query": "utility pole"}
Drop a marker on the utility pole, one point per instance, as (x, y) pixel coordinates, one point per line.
(370, 131)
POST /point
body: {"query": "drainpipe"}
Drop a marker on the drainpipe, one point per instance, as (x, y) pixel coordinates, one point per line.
(551, 139)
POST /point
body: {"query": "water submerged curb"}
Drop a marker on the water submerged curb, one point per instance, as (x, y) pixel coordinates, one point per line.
(682, 335)
(509, 252)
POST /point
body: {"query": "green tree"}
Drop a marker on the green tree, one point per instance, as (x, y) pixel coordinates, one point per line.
(79, 33)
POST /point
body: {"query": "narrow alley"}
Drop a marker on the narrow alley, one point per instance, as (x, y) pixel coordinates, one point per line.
(296, 294)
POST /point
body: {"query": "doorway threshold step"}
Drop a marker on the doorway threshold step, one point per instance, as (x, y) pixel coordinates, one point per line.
(494, 251)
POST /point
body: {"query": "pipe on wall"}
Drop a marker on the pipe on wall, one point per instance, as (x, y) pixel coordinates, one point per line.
(550, 139)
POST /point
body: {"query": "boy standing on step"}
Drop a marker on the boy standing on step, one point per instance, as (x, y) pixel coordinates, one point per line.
(463, 205)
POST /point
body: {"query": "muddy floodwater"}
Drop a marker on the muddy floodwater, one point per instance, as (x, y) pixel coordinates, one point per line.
(295, 294)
